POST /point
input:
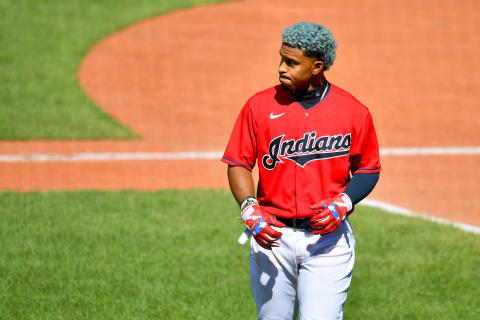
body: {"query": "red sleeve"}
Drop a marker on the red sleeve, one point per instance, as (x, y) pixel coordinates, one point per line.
(365, 156)
(242, 146)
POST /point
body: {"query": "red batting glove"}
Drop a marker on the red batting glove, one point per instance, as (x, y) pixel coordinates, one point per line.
(330, 213)
(259, 222)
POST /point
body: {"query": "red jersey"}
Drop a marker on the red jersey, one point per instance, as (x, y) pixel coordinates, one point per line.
(304, 155)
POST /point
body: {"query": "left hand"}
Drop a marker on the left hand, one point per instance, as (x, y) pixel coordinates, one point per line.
(330, 213)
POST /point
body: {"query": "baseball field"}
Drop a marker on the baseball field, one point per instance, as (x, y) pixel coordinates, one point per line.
(114, 114)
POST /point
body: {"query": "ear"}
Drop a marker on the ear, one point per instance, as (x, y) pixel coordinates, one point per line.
(318, 67)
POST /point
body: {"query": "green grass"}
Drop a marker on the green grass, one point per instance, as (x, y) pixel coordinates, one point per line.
(43, 43)
(173, 255)
(413, 269)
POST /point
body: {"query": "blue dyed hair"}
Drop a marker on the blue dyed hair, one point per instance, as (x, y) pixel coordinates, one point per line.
(315, 40)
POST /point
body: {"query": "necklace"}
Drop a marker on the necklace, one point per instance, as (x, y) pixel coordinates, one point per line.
(324, 92)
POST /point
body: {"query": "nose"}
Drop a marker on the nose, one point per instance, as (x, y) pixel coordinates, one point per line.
(282, 67)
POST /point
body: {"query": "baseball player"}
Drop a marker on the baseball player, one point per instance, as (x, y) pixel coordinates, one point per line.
(317, 153)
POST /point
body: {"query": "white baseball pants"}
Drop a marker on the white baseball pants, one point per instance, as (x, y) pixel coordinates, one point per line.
(307, 273)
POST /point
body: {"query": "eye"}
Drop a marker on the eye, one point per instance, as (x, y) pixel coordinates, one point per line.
(287, 61)
(291, 62)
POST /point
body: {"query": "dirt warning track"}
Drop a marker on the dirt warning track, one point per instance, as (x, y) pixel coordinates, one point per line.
(179, 81)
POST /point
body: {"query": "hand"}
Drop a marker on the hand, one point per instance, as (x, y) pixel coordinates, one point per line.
(330, 213)
(259, 222)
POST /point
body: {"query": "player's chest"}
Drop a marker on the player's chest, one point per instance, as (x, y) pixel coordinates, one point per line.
(303, 135)
(295, 122)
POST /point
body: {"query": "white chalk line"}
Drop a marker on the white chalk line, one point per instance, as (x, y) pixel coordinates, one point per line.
(406, 212)
(111, 156)
(205, 155)
(429, 151)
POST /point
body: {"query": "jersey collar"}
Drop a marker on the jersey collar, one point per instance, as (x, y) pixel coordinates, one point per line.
(311, 98)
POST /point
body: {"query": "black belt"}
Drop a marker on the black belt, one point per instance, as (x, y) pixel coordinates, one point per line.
(296, 223)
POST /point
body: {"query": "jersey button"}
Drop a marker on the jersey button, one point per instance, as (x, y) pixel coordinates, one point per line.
(306, 114)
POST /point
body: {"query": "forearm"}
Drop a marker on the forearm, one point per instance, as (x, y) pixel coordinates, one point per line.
(361, 185)
(241, 183)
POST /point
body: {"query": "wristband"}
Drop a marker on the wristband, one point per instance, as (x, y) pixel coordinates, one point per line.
(347, 201)
(248, 201)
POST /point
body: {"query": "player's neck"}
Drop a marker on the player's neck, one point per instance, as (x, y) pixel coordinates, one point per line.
(311, 97)
(315, 83)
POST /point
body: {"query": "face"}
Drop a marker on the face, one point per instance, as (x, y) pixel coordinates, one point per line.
(296, 71)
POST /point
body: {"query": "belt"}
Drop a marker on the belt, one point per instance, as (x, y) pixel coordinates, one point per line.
(296, 223)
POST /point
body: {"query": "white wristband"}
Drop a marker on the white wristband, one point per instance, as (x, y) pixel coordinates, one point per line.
(347, 201)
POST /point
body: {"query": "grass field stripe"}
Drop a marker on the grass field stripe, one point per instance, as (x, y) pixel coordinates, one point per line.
(205, 155)
(406, 212)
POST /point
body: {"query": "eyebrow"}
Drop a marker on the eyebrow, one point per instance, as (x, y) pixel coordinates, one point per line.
(287, 57)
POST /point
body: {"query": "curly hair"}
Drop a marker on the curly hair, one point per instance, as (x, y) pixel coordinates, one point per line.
(315, 40)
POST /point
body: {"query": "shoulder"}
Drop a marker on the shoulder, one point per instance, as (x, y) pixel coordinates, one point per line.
(271, 96)
(347, 99)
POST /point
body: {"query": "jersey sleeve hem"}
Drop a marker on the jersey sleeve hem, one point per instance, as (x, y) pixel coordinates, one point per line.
(367, 170)
(235, 163)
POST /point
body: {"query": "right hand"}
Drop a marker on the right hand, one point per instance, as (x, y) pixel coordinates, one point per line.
(259, 222)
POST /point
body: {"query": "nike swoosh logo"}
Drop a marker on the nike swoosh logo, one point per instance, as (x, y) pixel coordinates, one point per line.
(275, 116)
